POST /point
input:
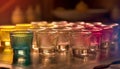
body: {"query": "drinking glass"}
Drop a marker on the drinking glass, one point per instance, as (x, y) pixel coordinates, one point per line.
(21, 42)
(46, 41)
(95, 39)
(80, 43)
(63, 40)
(106, 37)
(21, 39)
(115, 33)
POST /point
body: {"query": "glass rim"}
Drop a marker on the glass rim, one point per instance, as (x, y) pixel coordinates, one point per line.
(21, 31)
(7, 27)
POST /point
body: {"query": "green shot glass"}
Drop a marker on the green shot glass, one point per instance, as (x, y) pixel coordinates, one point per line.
(21, 42)
(21, 39)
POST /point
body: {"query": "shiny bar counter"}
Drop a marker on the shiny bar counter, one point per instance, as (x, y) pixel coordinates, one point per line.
(68, 61)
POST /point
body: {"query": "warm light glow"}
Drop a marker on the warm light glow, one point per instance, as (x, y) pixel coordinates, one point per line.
(21, 60)
(103, 25)
(98, 23)
(79, 27)
(84, 52)
(63, 45)
(89, 24)
(7, 43)
(33, 46)
(42, 24)
(21, 52)
(82, 23)
(34, 25)
(35, 49)
(46, 52)
(62, 48)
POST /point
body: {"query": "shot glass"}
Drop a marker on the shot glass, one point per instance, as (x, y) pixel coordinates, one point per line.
(107, 34)
(115, 33)
(95, 39)
(63, 40)
(21, 42)
(46, 41)
(80, 43)
(21, 39)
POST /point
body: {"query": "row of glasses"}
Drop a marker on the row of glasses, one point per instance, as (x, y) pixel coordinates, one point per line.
(16, 44)
(80, 38)
(64, 38)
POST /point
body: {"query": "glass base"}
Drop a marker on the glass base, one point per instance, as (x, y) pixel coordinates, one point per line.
(63, 48)
(77, 52)
(47, 50)
(22, 57)
(104, 45)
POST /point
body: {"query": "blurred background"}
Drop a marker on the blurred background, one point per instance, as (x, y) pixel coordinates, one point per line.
(25, 11)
